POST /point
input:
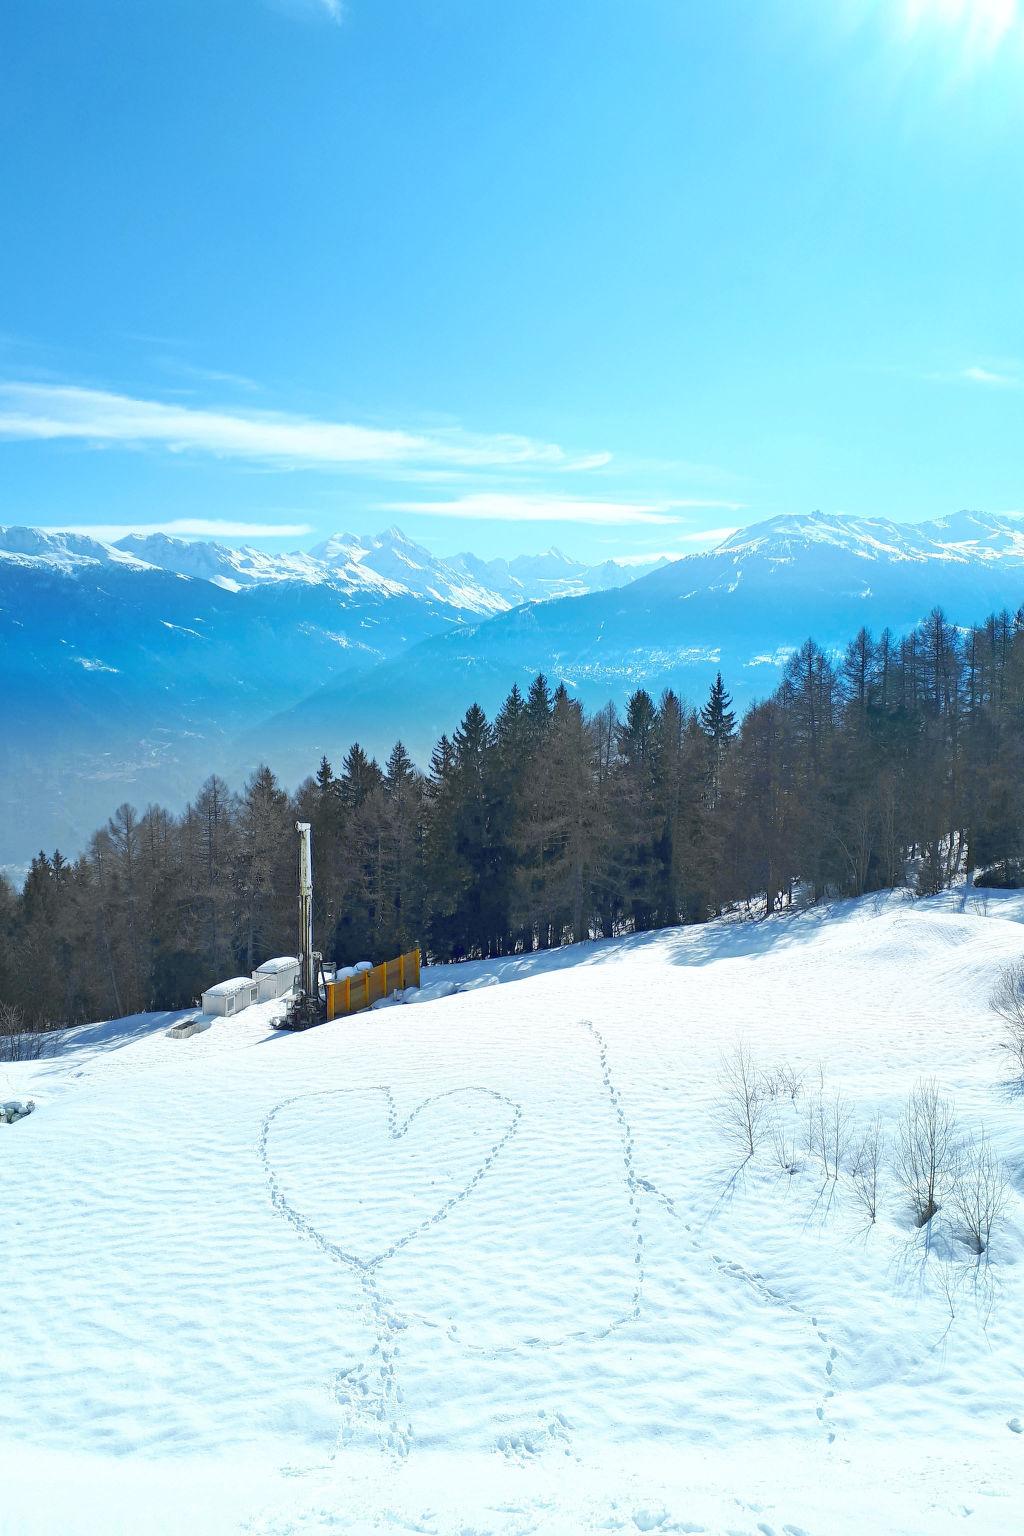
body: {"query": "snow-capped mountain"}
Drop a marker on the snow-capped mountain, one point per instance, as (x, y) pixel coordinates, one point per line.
(532, 578)
(130, 671)
(128, 668)
(66, 552)
(741, 607)
(387, 562)
(961, 538)
(391, 557)
(225, 567)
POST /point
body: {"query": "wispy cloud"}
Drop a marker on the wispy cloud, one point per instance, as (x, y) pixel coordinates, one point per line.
(40, 412)
(528, 507)
(707, 535)
(187, 528)
(332, 10)
(990, 376)
(995, 373)
(185, 370)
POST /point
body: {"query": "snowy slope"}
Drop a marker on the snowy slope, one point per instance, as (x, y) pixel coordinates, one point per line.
(486, 1264)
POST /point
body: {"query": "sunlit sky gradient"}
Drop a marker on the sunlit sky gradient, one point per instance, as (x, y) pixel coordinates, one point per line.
(613, 274)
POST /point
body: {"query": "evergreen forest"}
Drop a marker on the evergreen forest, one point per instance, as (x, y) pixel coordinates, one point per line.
(898, 762)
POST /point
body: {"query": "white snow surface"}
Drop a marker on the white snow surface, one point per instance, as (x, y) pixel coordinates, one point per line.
(488, 1265)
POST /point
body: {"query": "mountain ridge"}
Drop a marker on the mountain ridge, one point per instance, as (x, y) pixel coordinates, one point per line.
(125, 679)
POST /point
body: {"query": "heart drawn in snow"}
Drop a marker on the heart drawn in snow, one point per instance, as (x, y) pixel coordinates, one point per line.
(360, 1183)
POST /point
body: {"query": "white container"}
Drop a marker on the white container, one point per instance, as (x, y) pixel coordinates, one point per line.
(229, 997)
(276, 978)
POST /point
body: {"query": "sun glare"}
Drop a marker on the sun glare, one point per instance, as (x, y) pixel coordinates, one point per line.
(982, 25)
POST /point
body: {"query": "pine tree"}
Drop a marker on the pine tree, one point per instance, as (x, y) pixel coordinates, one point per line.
(538, 709)
(637, 825)
(557, 844)
(717, 719)
(718, 722)
(265, 871)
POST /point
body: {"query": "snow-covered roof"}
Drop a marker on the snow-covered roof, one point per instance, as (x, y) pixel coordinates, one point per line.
(222, 988)
(274, 967)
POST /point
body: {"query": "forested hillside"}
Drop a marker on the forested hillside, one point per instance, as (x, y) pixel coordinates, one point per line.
(546, 826)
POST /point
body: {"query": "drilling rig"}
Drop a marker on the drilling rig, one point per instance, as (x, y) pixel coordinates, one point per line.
(306, 1009)
(308, 978)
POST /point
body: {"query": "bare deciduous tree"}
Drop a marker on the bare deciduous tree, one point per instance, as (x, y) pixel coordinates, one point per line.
(980, 1194)
(742, 1107)
(868, 1160)
(21, 1040)
(925, 1155)
(828, 1129)
(835, 1133)
(1008, 1002)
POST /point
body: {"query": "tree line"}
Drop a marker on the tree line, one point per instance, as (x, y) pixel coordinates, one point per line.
(902, 758)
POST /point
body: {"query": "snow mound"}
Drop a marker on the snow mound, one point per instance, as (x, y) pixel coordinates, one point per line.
(13, 1110)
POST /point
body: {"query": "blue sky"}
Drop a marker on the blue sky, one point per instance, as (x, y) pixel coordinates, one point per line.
(613, 274)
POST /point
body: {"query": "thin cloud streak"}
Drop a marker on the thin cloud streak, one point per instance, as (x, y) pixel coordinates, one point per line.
(43, 412)
(186, 528)
(708, 535)
(331, 10)
(185, 370)
(512, 507)
(976, 375)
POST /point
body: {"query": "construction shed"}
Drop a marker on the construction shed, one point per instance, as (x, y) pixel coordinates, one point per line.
(230, 997)
(276, 978)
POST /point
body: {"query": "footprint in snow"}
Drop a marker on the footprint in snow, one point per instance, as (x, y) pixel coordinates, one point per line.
(1017, 1425)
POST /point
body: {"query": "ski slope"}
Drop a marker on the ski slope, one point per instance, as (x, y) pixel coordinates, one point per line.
(489, 1264)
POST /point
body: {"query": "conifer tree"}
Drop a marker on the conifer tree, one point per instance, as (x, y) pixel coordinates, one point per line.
(717, 718)
(718, 722)
(549, 826)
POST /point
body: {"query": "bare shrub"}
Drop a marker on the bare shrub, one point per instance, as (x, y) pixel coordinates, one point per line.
(866, 1167)
(925, 1156)
(21, 1040)
(1008, 1002)
(835, 1133)
(784, 1082)
(980, 1195)
(784, 1148)
(743, 1105)
(828, 1130)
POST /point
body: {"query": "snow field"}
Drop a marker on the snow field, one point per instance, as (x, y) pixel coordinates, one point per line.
(490, 1264)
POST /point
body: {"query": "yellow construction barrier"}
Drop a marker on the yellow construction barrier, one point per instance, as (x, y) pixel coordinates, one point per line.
(358, 992)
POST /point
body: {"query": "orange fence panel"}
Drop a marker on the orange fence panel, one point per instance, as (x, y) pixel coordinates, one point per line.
(358, 992)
